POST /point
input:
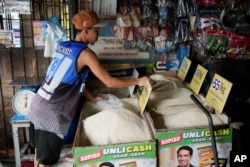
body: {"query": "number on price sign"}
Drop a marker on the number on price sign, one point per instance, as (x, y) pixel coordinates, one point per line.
(218, 92)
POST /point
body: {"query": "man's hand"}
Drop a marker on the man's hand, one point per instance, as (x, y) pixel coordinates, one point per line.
(100, 97)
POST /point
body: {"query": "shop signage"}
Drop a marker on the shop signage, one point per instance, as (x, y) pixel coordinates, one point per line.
(185, 65)
(200, 142)
(21, 7)
(218, 92)
(111, 48)
(144, 96)
(39, 31)
(143, 153)
(198, 79)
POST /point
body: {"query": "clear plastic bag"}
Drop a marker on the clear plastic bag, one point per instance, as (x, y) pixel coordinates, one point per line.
(55, 34)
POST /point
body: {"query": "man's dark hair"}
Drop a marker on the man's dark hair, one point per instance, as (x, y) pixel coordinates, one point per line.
(188, 148)
(107, 164)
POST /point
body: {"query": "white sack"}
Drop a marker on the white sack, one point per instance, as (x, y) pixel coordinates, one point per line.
(188, 118)
(163, 88)
(171, 107)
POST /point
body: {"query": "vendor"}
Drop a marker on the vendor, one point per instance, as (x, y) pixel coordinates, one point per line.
(56, 101)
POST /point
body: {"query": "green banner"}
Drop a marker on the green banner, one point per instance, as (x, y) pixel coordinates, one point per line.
(192, 136)
(89, 155)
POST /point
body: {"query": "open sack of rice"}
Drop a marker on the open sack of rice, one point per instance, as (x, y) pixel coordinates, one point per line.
(115, 121)
(171, 107)
(97, 87)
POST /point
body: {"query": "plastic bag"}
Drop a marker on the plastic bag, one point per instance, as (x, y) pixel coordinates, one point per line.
(55, 34)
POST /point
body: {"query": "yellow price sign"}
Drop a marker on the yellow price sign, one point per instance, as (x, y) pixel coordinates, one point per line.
(218, 92)
(144, 96)
(198, 79)
(185, 65)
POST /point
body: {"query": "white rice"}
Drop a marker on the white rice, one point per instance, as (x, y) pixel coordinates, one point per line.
(115, 126)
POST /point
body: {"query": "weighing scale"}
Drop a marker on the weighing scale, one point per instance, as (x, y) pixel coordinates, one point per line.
(22, 100)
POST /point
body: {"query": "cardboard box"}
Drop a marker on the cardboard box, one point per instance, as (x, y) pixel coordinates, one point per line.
(200, 141)
(179, 123)
(138, 153)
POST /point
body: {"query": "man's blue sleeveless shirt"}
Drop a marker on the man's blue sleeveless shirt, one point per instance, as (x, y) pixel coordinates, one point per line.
(56, 101)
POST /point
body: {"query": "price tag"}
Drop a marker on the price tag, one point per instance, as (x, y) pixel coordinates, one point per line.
(131, 89)
(144, 95)
(218, 92)
(198, 79)
(185, 65)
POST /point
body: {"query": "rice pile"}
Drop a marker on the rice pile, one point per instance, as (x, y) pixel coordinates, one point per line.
(171, 107)
(115, 125)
